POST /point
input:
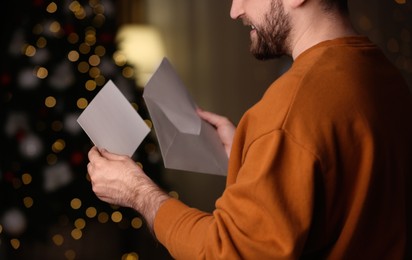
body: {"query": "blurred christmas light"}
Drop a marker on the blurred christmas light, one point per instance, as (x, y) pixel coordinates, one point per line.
(58, 239)
(91, 212)
(70, 123)
(73, 56)
(82, 103)
(41, 42)
(41, 72)
(75, 203)
(26, 178)
(50, 102)
(14, 222)
(76, 234)
(136, 223)
(80, 223)
(29, 50)
(52, 7)
(103, 217)
(401, 2)
(130, 256)
(15, 243)
(73, 38)
(31, 146)
(83, 67)
(28, 202)
(90, 85)
(26, 79)
(62, 76)
(116, 216)
(56, 176)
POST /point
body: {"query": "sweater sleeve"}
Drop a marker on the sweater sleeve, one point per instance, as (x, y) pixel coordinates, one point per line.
(265, 214)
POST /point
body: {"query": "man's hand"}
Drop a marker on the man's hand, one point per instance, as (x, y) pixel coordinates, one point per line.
(118, 180)
(224, 127)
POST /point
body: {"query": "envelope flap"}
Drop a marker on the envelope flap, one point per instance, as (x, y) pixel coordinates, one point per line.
(166, 90)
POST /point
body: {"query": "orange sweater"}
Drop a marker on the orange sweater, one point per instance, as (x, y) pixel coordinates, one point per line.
(318, 169)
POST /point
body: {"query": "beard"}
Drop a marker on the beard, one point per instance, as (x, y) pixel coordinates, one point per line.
(272, 39)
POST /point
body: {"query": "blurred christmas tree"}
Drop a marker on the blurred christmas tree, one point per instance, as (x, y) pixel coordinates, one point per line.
(55, 57)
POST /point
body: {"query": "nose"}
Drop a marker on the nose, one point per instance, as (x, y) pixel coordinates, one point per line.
(236, 10)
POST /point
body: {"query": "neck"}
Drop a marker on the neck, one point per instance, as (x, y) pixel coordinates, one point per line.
(314, 28)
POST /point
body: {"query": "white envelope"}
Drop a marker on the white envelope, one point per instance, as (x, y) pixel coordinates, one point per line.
(112, 123)
(186, 141)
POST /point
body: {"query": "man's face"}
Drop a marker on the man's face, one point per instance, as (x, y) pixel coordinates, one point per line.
(269, 36)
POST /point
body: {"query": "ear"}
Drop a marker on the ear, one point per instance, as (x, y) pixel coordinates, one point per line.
(295, 3)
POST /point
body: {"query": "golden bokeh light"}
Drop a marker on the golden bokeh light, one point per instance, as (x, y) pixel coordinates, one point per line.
(128, 72)
(75, 203)
(148, 123)
(26, 178)
(83, 67)
(50, 102)
(73, 56)
(28, 202)
(174, 194)
(119, 58)
(100, 80)
(94, 72)
(51, 8)
(41, 42)
(130, 256)
(55, 27)
(51, 159)
(91, 212)
(84, 48)
(82, 103)
(58, 239)
(100, 50)
(136, 223)
(41, 72)
(58, 145)
(76, 234)
(80, 223)
(29, 50)
(90, 85)
(103, 217)
(73, 38)
(15, 243)
(117, 216)
(94, 60)
(70, 254)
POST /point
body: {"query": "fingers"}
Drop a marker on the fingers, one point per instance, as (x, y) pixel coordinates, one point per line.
(112, 156)
(94, 154)
(212, 118)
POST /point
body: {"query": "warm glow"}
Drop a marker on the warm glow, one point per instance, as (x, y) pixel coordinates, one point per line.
(41, 72)
(52, 7)
(50, 102)
(58, 240)
(26, 178)
(82, 103)
(76, 203)
(143, 48)
(28, 202)
(91, 212)
(73, 56)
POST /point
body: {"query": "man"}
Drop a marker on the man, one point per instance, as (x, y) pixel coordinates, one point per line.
(319, 168)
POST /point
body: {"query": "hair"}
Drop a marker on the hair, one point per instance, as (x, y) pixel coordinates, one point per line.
(341, 5)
